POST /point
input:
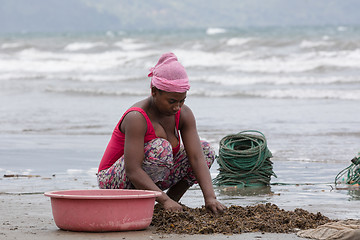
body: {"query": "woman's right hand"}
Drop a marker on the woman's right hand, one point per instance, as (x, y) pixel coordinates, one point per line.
(171, 205)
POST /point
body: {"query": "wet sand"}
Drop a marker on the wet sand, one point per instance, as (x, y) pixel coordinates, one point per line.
(28, 216)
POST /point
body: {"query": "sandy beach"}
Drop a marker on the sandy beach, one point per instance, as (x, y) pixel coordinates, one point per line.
(298, 86)
(28, 216)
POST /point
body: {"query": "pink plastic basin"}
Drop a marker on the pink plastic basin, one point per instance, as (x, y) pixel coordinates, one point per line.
(102, 210)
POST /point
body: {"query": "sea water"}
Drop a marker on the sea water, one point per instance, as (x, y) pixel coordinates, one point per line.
(61, 96)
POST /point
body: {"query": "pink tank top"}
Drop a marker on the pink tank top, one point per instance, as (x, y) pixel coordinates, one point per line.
(115, 148)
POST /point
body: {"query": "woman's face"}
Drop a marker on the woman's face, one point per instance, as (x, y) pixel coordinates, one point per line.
(168, 103)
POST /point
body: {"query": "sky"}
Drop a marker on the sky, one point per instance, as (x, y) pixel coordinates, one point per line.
(95, 15)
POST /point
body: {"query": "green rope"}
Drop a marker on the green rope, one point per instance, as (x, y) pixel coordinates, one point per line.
(351, 174)
(244, 160)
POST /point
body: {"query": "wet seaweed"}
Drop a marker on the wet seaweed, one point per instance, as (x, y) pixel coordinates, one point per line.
(235, 220)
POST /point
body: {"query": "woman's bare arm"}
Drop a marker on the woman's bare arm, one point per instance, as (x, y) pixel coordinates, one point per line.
(196, 158)
(134, 126)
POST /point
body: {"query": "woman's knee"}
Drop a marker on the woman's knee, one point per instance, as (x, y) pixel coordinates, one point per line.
(158, 146)
(209, 152)
(158, 159)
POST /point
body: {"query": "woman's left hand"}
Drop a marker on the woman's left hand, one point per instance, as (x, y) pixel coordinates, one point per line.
(214, 206)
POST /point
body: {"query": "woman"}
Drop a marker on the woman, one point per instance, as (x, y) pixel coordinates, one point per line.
(145, 150)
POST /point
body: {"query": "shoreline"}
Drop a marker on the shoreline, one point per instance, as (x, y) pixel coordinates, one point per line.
(29, 216)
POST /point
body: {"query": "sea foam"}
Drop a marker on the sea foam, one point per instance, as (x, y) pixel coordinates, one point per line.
(213, 31)
(78, 46)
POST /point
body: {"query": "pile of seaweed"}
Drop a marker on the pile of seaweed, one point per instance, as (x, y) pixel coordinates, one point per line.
(235, 220)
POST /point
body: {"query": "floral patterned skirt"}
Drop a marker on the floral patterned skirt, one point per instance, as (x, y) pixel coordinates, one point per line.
(159, 163)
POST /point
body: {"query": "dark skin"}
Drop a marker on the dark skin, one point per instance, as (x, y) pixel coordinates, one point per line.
(161, 108)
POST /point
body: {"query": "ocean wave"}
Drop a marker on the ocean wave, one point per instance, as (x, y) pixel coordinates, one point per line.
(231, 80)
(12, 45)
(116, 55)
(106, 78)
(20, 75)
(258, 62)
(98, 92)
(342, 28)
(102, 77)
(308, 94)
(288, 45)
(54, 66)
(314, 44)
(282, 94)
(36, 61)
(237, 41)
(33, 60)
(198, 58)
(297, 63)
(79, 46)
(76, 77)
(129, 44)
(213, 31)
(33, 53)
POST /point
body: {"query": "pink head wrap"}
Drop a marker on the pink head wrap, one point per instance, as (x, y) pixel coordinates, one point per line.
(169, 75)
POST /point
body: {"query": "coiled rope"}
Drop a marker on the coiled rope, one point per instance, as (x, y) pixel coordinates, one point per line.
(351, 174)
(244, 160)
